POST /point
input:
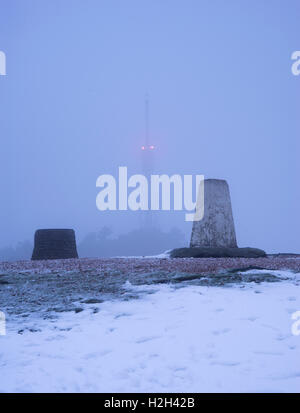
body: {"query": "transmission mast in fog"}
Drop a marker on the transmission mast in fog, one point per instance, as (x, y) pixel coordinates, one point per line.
(147, 154)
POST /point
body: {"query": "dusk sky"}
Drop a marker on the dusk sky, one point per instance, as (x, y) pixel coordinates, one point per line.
(223, 103)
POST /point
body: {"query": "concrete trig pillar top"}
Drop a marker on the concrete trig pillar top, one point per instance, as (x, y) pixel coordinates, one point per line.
(216, 229)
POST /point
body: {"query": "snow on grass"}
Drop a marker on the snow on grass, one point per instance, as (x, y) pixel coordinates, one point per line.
(191, 339)
(165, 254)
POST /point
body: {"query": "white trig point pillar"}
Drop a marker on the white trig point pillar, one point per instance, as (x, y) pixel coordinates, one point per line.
(216, 229)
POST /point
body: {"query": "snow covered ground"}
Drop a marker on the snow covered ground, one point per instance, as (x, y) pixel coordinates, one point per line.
(173, 338)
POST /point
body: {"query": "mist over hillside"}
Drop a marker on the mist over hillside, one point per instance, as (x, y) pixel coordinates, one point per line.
(104, 243)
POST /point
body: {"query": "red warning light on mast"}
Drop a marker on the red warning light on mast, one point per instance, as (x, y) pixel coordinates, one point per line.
(151, 147)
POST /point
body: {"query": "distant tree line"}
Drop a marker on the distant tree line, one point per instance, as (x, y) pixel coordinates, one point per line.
(137, 242)
(22, 251)
(103, 243)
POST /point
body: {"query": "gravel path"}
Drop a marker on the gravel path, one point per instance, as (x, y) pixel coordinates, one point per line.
(147, 265)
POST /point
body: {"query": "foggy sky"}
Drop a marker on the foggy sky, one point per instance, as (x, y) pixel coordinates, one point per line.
(223, 103)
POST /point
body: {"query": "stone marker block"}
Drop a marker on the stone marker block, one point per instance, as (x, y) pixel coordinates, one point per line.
(216, 229)
(53, 244)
